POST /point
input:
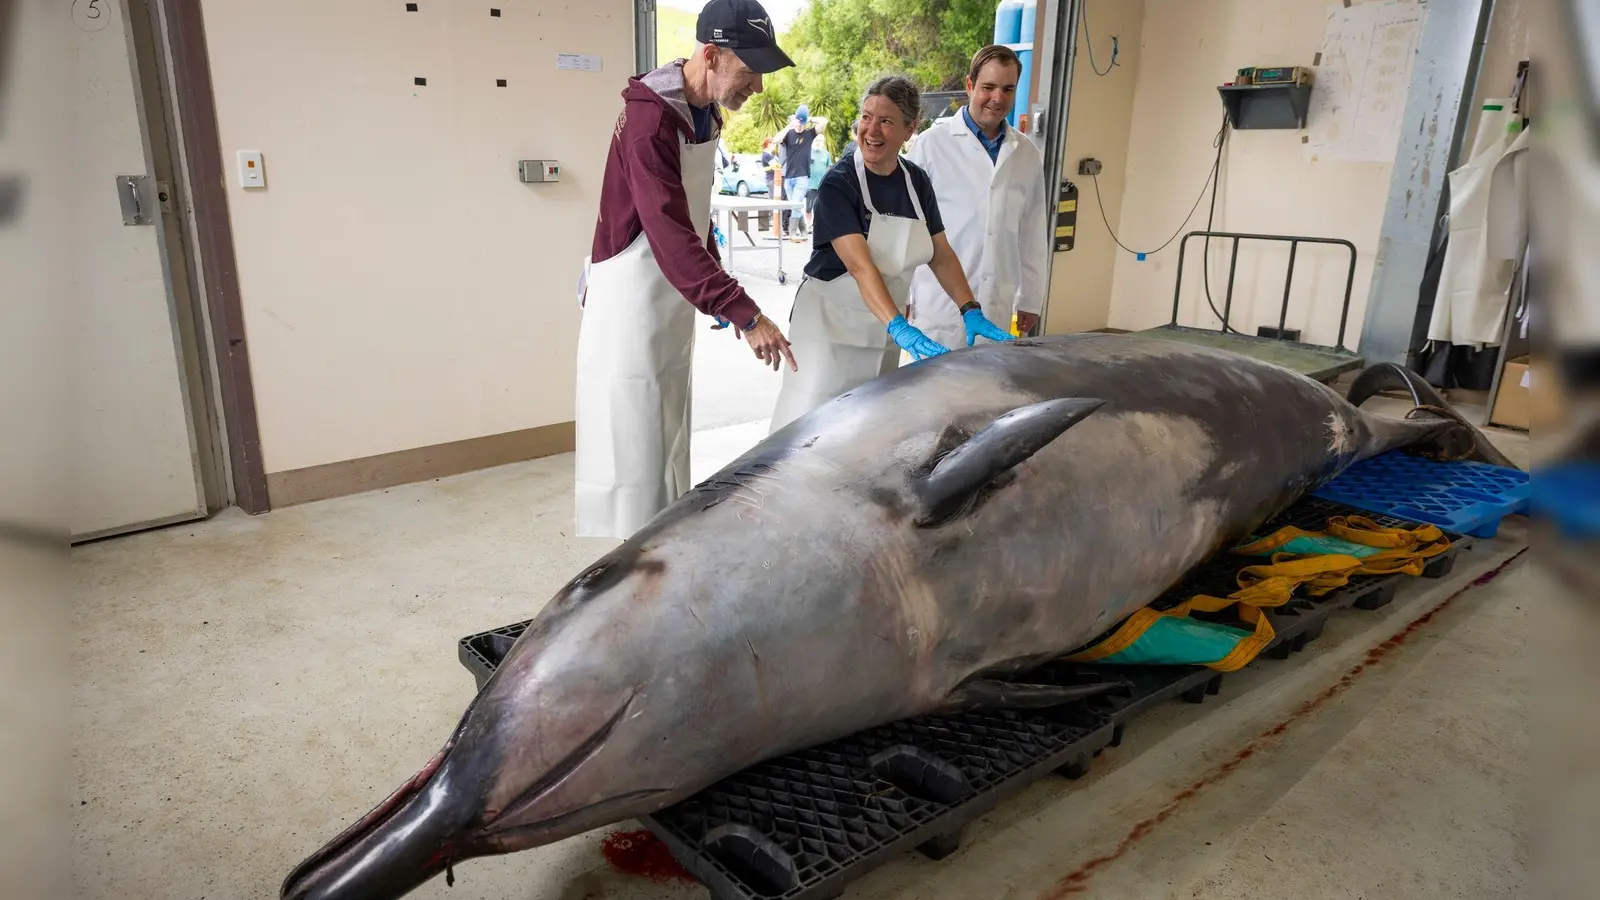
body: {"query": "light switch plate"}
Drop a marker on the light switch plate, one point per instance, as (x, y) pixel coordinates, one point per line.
(252, 171)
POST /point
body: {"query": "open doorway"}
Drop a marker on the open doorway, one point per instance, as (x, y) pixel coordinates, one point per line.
(838, 46)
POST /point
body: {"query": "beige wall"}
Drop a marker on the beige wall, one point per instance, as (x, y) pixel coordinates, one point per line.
(1097, 126)
(1267, 184)
(401, 287)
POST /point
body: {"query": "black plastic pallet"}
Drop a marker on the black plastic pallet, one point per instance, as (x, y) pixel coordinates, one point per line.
(803, 826)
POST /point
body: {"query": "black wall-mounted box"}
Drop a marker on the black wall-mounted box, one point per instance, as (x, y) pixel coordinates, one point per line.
(1266, 105)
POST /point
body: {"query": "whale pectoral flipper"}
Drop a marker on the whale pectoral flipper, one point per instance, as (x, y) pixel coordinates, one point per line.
(986, 693)
(1463, 442)
(958, 476)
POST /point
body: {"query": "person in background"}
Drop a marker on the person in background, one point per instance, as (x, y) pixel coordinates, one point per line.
(770, 166)
(991, 187)
(821, 161)
(796, 142)
(652, 252)
(877, 220)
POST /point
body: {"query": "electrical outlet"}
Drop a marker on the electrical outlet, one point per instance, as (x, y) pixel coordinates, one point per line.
(1088, 166)
(537, 171)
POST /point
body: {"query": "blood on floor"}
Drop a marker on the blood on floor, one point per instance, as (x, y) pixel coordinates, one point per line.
(643, 854)
(1076, 882)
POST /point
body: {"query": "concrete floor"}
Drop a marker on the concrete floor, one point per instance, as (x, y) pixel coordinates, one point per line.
(246, 687)
(730, 386)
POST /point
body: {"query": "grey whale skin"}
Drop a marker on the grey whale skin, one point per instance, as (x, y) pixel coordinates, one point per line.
(901, 550)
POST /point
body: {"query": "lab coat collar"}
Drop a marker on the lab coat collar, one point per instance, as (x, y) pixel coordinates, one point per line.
(957, 126)
(990, 147)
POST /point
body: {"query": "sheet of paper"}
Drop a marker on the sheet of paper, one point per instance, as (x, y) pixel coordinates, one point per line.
(578, 62)
(1358, 96)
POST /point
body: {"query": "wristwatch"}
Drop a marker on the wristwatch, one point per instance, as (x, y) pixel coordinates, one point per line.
(753, 323)
(969, 306)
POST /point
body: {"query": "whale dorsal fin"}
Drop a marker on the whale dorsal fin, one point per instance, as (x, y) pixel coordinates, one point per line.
(957, 477)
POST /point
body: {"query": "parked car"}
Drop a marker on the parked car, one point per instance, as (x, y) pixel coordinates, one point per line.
(743, 178)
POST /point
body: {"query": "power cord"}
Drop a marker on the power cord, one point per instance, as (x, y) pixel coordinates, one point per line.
(1083, 14)
(1211, 218)
(1211, 178)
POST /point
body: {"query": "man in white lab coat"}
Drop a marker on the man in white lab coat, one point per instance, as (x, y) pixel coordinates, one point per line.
(989, 180)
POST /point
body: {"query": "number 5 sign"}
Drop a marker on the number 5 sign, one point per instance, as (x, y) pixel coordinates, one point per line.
(91, 15)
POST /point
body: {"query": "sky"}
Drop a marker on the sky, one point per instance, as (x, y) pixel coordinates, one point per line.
(783, 12)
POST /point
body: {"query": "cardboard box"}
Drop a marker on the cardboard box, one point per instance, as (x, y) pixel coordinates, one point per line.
(1511, 406)
(1546, 405)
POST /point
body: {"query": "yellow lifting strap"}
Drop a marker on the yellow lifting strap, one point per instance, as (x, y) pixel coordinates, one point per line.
(1405, 550)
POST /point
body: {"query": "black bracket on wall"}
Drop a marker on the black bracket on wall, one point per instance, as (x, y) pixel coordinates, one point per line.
(1266, 105)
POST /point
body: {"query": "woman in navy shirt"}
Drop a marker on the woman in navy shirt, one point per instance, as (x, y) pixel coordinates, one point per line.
(876, 220)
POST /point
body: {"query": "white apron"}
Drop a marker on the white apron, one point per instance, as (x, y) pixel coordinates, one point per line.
(837, 341)
(1487, 226)
(635, 356)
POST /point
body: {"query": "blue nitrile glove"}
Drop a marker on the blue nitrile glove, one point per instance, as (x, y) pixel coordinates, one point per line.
(721, 324)
(979, 326)
(912, 340)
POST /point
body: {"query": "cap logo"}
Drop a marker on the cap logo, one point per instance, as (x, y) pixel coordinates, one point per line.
(716, 33)
(762, 25)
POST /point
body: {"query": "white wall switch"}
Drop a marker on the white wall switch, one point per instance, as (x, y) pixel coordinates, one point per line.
(252, 172)
(535, 171)
(578, 62)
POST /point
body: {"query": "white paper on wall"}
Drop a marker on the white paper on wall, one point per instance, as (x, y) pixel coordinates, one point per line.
(578, 62)
(1358, 96)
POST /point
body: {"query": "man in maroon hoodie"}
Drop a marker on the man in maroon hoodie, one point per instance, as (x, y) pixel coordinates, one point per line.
(653, 251)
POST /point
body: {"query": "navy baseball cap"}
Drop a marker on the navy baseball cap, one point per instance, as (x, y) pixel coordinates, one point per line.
(744, 27)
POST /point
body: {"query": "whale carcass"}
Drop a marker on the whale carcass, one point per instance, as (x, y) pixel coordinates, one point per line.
(904, 549)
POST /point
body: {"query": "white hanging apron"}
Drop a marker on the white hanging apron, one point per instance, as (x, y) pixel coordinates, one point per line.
(837, 341)
(635, 356)
(1470, 305)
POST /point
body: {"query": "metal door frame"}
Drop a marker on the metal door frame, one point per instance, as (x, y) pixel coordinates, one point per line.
(644, 35)
(181, 81)
(1062, 17)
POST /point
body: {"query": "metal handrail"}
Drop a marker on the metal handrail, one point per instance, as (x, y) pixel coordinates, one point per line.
(1295, 240)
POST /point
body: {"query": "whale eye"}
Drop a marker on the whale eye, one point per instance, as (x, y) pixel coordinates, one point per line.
(585, 586)
(588, 577)
(594, 577)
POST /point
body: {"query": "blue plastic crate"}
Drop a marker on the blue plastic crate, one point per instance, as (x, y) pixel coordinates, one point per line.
(1464, 497)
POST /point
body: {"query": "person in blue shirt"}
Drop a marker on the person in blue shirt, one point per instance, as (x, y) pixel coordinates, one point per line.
(877, 220)
(821, 161)
(795, 143)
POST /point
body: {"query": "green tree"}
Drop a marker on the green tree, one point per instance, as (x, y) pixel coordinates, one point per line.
(839, 47)
(674, 33)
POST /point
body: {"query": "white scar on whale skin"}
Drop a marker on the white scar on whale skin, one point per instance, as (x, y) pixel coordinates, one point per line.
(1339, 434)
